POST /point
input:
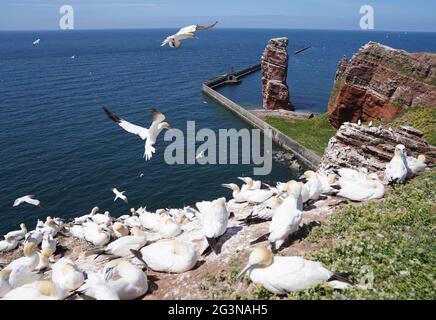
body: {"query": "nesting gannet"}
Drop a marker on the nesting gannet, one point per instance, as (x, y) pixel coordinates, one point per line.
(34, 236)
(190, 213)
(96, 287)
(280, 275)
(48, 242)
(416, 165)
(28, 199)
(122, 246)
(38, 290)
(250, 196)
(36, 42)
(18, 234)
(86, 217)
(362, 190)
(4, 282)
(264, 211)
(174, 41)
(77, 231)
(396, 169)
(30, 259)
(178, 215)
(98, 235)
(287, 217)
(168, 228)
(170, 256)
(51, 227)
(250, 184)
(133, 220)
(120, 230)
(327, 181)
(103, 219)
(151, 221)
(125, 279)
(313, 188)
(214, 220)
(66, 275)
(21, 275)
(119, 195)
(149, 135)
(8, 244)
(44, 259)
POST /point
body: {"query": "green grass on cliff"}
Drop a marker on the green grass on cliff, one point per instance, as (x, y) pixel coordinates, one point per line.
(313, 133)
(388, 245)
(423, 119)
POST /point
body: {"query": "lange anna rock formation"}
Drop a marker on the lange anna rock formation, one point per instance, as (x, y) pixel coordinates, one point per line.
(274, 72)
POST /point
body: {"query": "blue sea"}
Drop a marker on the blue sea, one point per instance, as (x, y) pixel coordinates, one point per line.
(57, 144)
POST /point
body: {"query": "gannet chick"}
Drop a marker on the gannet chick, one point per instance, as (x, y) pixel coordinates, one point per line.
(103, 219)
(8, 244)
(18, 234)
(214, 220)
(125, 279)
(44, 259)
(250, 184)
(48, 242)
(97, 234)
(396, 169)
(281, 275)
(416, 165)
(38, 290)
(28, 199)
(312, 189)
(133, 220)
(34, 236)
(119, 195)
(120, 230)
(66, 275)
(287, 217)
(170, 256)
(30, 259)
(264, 211)
(122, 246)
(368, 189)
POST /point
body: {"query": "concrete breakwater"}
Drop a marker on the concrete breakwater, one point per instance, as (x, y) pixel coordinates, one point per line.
(307, 157)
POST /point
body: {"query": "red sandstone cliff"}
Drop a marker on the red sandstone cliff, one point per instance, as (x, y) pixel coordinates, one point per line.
(274, 71)
(378, 82)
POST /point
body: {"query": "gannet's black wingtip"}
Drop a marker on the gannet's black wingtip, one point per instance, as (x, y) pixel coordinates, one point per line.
(112, 116)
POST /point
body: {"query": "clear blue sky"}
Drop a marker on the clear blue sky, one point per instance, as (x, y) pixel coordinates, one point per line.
(404, 15)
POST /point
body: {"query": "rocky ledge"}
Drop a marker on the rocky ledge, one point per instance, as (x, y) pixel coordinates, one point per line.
(379, 81)
(274, 72)
(356, 146)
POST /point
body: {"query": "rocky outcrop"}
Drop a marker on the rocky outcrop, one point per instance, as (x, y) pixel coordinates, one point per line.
(274, 71)
(356, 146)
(378, 82)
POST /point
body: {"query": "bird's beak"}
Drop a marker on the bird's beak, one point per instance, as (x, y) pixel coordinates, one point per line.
(226, 185)
(302, 178)
(241, 178)
(241, 274)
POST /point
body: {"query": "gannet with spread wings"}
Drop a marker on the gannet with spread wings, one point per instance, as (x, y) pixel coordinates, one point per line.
(149, 135)
(174, 41)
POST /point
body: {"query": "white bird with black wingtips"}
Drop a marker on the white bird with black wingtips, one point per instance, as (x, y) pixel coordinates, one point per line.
(148, 134)
(174, 41)
(119, 195)
(29, 200)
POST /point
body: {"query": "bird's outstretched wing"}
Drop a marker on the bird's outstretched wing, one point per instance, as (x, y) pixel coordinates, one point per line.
(129, 127)
(195, 27)
(166, 41)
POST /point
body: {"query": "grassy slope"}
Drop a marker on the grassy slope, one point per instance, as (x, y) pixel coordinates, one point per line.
(391, 242)
(313, 133)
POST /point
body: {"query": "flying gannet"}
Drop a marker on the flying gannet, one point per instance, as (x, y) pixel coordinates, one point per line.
(174, 41)
(36, 42)
(119, 195)
(28, 199)
(149, 135)
(283, 274)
